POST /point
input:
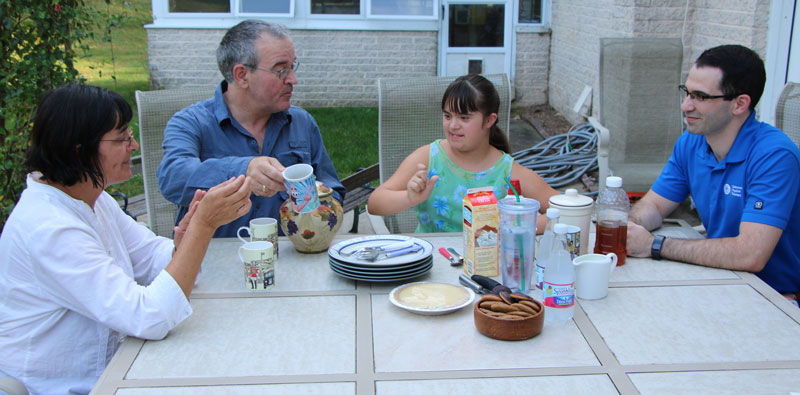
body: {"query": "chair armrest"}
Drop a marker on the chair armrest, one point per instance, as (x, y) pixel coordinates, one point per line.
(603, 142)
(12, 386)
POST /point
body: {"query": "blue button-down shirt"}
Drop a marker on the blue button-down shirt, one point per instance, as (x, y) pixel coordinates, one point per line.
(204, 146)
(757, 181)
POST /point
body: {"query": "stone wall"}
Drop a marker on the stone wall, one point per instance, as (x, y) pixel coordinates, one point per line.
(532, 69)
(337, 68)
(577, 27)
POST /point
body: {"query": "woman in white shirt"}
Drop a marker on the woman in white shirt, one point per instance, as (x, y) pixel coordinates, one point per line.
(76, 274)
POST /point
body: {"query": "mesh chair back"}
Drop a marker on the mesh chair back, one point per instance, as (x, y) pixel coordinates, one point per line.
(787, 112)
(410, 115)
(155, 109)
(640, 105)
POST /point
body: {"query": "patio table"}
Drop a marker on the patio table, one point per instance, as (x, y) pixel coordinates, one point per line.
(664, 327)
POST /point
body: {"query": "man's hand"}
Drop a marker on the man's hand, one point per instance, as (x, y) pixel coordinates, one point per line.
(640, 241)
(419, 187)
(266, 177)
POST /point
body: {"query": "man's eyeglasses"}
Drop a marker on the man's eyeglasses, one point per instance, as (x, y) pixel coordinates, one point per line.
(700, 97)
(128, 140)
(282, 73)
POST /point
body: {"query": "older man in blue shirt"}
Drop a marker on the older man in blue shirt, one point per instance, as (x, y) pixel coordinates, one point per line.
(744, 176)
(248, 127)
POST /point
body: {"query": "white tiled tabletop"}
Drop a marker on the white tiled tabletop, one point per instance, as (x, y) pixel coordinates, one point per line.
(665, 327)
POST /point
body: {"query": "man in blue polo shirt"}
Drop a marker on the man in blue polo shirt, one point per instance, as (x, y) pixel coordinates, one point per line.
(248, 127)
(744, 177)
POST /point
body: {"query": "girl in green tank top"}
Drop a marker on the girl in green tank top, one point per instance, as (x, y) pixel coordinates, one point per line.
(475, 153)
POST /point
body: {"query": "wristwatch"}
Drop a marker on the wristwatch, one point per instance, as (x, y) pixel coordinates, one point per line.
(655, 250)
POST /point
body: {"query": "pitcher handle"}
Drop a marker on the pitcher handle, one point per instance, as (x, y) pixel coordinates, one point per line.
(238, 233)
(613, 258)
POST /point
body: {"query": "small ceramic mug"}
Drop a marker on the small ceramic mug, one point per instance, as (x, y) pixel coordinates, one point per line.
(261, 229)
(259, 265)
(301, 185)
(592, 274)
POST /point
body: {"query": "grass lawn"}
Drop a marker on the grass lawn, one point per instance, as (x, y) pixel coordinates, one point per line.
(350, 134)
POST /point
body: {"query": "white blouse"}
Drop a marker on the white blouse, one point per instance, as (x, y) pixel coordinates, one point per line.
(73, 282)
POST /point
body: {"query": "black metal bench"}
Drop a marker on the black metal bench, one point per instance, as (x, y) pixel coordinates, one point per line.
(358, 190)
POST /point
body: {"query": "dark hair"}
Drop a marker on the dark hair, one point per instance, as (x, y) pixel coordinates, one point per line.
(470, 93)
(238, 45)
(67, 129)
(742, 70)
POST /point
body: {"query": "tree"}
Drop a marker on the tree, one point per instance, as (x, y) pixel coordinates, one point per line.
(39, 40)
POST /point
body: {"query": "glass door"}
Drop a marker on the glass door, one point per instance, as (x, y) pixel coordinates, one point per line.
(475, 37)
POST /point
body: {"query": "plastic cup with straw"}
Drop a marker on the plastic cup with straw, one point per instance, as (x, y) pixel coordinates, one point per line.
(520, 240)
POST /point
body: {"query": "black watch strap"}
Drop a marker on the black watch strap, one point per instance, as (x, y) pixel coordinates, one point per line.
(655, 250)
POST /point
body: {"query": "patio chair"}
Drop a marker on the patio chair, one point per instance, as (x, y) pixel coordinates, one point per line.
(787, 111)
(155, 109)
(639, 107)
(12, 386)
(410, 115)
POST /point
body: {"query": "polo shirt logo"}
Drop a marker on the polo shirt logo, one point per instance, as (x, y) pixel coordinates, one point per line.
(759, 205)
(734, 190)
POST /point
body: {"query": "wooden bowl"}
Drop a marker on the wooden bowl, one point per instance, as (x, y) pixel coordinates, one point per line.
(508, 329)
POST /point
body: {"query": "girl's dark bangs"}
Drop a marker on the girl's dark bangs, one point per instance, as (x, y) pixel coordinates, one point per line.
(462, 99)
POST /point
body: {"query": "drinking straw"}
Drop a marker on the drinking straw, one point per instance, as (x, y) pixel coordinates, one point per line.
(519, 240)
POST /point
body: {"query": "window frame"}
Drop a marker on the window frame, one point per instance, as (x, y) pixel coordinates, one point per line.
(532, 27)
(300, 17)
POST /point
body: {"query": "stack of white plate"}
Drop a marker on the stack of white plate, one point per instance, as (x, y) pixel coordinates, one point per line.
(398, 268)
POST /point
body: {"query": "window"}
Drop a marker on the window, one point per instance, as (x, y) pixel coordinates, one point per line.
(266, 7)
(402, 8)
(476, 25)
(338, 7)
(530, 11)
(199, 6)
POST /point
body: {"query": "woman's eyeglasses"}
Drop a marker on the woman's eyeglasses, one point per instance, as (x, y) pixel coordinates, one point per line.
(128, 140)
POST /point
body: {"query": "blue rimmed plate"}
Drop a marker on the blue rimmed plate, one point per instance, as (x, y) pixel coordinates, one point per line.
(341, 251)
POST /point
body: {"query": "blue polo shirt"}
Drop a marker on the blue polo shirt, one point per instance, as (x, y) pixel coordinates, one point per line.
(758, 181)
(204, 146)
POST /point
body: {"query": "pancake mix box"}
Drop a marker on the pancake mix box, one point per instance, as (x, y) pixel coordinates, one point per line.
(481, 224)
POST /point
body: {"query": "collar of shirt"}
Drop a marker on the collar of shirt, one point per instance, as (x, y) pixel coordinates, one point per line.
(223, 116)
(741, 145)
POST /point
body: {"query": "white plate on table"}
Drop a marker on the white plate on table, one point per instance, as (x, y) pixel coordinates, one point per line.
(340, 250)
(390, 271)
(383, 279)
(431, 298)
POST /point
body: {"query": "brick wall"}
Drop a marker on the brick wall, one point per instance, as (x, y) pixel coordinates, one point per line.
(532, 69)
(577, 27)
(337, 68)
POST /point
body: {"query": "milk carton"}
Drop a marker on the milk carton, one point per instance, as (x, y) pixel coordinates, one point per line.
(481, 223)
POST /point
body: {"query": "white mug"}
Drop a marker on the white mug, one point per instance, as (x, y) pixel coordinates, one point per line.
(592, 274)
(261, 229)
(258, 261)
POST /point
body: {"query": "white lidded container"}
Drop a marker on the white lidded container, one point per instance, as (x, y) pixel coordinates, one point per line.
(575, 210)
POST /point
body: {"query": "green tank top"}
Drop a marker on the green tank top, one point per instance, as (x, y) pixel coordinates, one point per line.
(442, 211)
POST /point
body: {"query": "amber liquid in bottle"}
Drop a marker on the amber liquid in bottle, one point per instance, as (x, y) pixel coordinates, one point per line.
(612, 236)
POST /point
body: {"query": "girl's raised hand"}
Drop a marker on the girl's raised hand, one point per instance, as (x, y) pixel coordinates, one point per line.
(419, 187)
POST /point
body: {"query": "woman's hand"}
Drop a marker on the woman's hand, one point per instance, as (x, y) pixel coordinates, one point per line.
(419, 187)
(224, 203)
(180, 230)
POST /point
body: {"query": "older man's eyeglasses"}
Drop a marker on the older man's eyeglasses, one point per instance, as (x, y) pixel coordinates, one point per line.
(282, 73)
(699, 97)
(127, 140)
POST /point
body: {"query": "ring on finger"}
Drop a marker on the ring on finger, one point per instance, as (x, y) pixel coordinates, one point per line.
(264, 188)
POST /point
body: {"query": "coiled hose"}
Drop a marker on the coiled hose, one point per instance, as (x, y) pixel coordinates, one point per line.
(562, 159)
